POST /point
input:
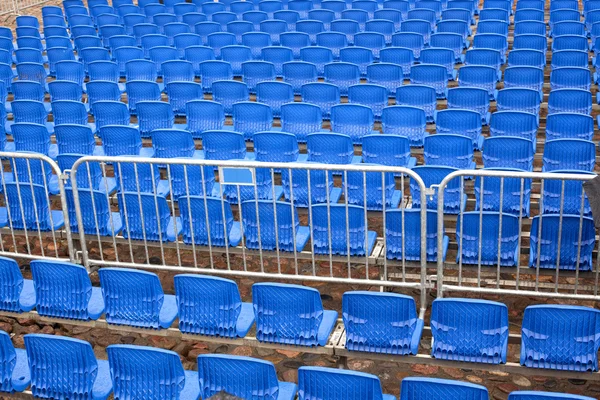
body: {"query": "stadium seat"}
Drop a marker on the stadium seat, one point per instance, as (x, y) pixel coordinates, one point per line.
(480, 246)
(513, 193)
(368, 329)
(440, 56)
(420, 96)
(575, 244)
(136, 298)
(70, 112)
(570, 100)
(433, 175)
(470, 98)
(538, 395)
(123, 140)
(388, 75)
(336, 384)
(508, 152)
(479, 76)
(320, 56)
(568, 201)
(227, 93)
(324, 95)
(154, 115)
(342, 74)
(76, 139)
(408, 40)
(281, 311)
(569, 125)
(524, 77)
(274, 94)
(277, 55)
(256, 41)
(329, 148)
(329, 221)
(214, 374)
(254, 72)
(530, 27)
(460, 330)
(213, 70)
(105, 71)
(16, 375)
(66, 367)
(299, 73)
(430, 75)
(389, 150)
(300, 118)
(529, 58)
(33, 137)
(449, 150)
(453, 41)
(148, 217)
(107, 112)
(418, 26)
(573, 154)
(569, 58)
(173, 143)
(236, 55)
(289, 235)
(18, 296)
(570, 42)
(519, 99)
(182, 92)
(514, 123)
(530, 42)
(196, 231)
(354, 120)
(378, 186)
(30, 112)
(561, 326)
(417, 387)
(177, 70)
(463, 122)
(251, 117)
(405, 121)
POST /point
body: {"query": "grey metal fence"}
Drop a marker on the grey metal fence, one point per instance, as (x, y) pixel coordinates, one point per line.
(518, 233)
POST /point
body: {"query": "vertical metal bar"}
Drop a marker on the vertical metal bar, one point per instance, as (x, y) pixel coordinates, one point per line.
(141, 208)
(260, 247)
(225, 233)
(170, 181)
(112, 223)
(440, 235)
(581, 213)
(18, 186)
(384, 211)
(366, 225)
(539, 238)
(329, 241)
(560, 226)
(239, 195)
(293, 207)
(156, 208)
(35, 208)
(346, 201)
(310, 221)
(207, 222)
(94, 211)
(480, 236)
(49, 203)
(125, 214)
(499, 260)
(10, 223)
(521, 196)
(275, 219)
(403, 244)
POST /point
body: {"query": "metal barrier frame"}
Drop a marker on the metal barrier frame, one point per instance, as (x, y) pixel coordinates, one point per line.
(384, 281)
(541, 176)
(45, 162)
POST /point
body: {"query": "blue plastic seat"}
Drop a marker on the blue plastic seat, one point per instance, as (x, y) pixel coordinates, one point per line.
(236, 56)
(300, 119)
(470, 98)
(135, 298)
(360, 57)
(562, 327)
(440, 56)
(452, 41)
(290, 235)
(529, 14)
(218, 40)
(256, 41)
(530, 58)
(415, 26)
(16, 376)
(346, 26)
(432, 75)
(18, 295)
(204, 115)
(172, 143)
(373, 41)
(223, 17)
(337, 6)
(205, 28)
(569, 125)
(229, 92)
(530, 27)
(177, 70)
(274, 27)
(320, 56)
(390, 150)
(295, 41)
(211, 306)
(454, 26)
(406, 243)
(281, 310)
(336, 384)
(274, 94)
(123, 140)
(570, 42)
(493, 26)
(469, 5)
(105, 71)
(29, 71)
(256, 17)
(329, 221)
(102, 90)
(214, 373)
(35, 213)
(30, 90)
(525, 77)
(277, 55)
(289, 16)
(515, 197)
(148, 217)
(110, 113)
(356, 15)
(449, 150)
(508, 152)
(370, 95)
(570, 100)
(138, 370)
(154, 115)
(388, 75)
(569, 28)
(573, 154)
(420, 96)
(575, 245)
(142, 178)
(298, 73)
(182, 92)
(514, 123)
(433, 175)
(492, 41)
(77, 139)
(519, 99)
(124, 54)
(251, 117)
(213, 70)
(324, 95)
(563, 15)
(182, 41)
(417, 387)
(479, 76)
(196, 231)
(538, 395)
(487, 57)
(342, 74)
(254, 72)
(567, 200)
(138, 91)
(276, 146)
(64, 367)
(424, 14)
(499, 14)
(329, 148)
(310, 27)
(270, 6)
(153, 40)
(483, 248)
(140, 70)
(400, 56)
(569, 58)
(69, 112)
(354, 120)
(33, 137)
(463, 122)
(463, 14)
(460, 329)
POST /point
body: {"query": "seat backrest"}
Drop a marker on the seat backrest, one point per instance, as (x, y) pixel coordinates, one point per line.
(196, 230)
(131, 297)
(329, 148)
(391, 150)
(508, 152)
(251, 117)
(29, 111)
(413, 387)
(289, 314)
(368, 326)
(275, 147)
(280, 235)
(207, 305)
(524, 76)
(575, 154)
(510, 193)
(61, 367)
(570, 77)
(154, 115)
(256, 379)
(121, 140)
(465, 325)
(569, 125)
(459, 121)
(518, 99)
(62, 289)
(145, 216)
(300, 118)
(570, 100)
(75, 139)
(10, 291)
(337, 384)
(69, 112)
(354, 120)
(448, 149)
(137, 370)
(563, 328)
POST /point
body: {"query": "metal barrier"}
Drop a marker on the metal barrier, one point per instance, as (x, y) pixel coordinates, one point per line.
(523, 202)
(209, 245)
(37, 229)
(8, 7)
